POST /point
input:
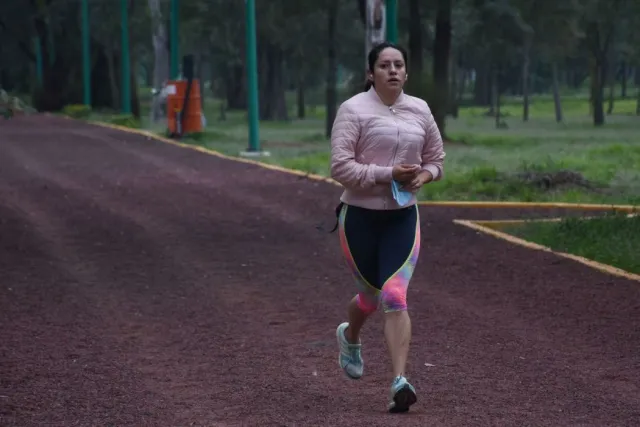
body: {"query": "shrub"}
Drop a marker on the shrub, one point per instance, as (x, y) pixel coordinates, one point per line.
(77, 111)
(126, 120)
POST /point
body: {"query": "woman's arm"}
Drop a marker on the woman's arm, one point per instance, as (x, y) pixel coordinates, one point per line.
(433, 150)
(344, 167)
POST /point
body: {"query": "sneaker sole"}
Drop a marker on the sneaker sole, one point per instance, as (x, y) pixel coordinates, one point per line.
(403, 399)
(346, 374)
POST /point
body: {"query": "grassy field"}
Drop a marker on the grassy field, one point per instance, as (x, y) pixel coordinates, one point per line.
(612, 239)
(484, 163)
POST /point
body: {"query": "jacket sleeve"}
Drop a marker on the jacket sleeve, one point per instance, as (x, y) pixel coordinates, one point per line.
(344, 167)
(433, 149)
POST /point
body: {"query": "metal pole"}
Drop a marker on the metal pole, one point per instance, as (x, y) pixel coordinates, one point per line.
(252, 76)
(86, 60)
(126, 71)
(173, 38)
(392, 21)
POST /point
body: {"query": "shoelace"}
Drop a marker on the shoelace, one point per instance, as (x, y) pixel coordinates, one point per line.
(354, 352)
(397, 380)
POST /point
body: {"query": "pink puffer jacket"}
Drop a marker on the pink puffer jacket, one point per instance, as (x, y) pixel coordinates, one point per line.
(368, 138)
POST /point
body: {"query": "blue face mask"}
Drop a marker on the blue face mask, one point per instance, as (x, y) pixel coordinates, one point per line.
(402, 196)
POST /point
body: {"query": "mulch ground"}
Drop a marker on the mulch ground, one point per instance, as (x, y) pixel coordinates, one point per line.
(143, 284)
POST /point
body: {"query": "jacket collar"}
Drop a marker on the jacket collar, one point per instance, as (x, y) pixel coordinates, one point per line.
(374, 95)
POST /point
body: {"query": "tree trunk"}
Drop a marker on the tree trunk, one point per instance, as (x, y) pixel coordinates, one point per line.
(597, 96)
(453, 88)
(113, 79)
(133, 84)
(462, 87)
(482, 87)
(495, 102)
(638, 102)
(201, 63)
(493, 77)
(416, 59)
(525, 79)
(332, 66)
(611, 97)
(271, 85)
(264, 79)
(556, 92)
(279, 86)
(103, 90)
(300, 93)
(599, 55)
(160, 42)
(623, 83)
(611, 79)
(235, 87)
(498, 126)
(441, 52)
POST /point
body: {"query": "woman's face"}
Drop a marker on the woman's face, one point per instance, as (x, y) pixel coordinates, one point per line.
(389, 72)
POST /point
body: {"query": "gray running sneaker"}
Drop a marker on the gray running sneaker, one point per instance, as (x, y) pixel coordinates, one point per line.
(350, 358)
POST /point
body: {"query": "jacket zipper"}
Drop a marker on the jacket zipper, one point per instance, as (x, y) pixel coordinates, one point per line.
(395, 151)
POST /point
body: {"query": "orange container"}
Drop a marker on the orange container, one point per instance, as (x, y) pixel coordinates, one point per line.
(177, 90)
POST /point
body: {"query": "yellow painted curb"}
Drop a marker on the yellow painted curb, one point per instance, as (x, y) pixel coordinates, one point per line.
(215, 153)
(532, 205)
(530, 245)
(497, 223)
(457, 204)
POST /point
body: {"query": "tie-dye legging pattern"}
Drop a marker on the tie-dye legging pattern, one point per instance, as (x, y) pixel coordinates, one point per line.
(381, 249)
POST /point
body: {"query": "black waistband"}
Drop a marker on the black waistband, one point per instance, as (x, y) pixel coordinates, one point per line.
(338, 209)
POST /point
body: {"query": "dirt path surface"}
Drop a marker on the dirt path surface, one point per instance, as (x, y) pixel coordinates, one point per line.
(142, 284)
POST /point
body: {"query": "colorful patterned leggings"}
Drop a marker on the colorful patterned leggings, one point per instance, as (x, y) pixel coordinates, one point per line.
(381, 248)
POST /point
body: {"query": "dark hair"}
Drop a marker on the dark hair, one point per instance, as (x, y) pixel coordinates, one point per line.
(374, 53)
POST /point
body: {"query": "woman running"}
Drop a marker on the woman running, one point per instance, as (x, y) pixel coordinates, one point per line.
(385, 146)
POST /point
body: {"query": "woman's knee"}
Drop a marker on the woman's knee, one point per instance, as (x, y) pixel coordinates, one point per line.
(394, 295)
(367, 303)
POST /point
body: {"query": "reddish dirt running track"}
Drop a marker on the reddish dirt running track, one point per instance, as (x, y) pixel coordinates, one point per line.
(143, 284)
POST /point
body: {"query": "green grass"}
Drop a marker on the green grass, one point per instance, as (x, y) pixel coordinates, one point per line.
(484, 162)
(483, 168)
(613, 239)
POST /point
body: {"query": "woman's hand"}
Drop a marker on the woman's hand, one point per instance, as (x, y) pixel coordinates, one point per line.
(405, 173)
(418, 181)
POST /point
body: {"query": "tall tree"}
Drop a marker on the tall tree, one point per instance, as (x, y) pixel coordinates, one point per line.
(499, 32)
(441, 52)
(599, 21)
(332, 65)
(550, 31)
